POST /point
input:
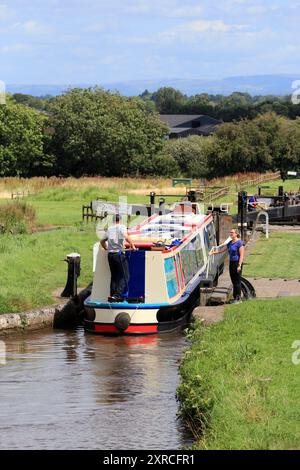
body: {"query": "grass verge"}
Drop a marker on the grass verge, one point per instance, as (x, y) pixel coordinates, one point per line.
(239, 387)
(276, 257)
(32, 266)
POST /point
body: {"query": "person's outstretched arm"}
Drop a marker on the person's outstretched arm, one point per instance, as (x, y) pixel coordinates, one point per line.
(217, 250)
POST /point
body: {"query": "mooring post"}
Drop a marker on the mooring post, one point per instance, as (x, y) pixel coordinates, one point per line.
(242, 212)
(280, 191)
(192, 195)
(152, 203)
(73, 260)
(161, 206)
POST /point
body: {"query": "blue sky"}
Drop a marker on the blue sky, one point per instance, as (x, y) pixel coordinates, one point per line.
(101, 41)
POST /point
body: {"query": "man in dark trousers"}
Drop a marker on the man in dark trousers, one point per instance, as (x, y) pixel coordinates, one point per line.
(113, 242)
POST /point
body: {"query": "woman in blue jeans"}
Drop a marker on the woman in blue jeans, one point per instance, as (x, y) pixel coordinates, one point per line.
(236, 251)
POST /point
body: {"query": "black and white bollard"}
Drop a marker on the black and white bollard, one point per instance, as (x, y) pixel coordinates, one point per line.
(73, 260)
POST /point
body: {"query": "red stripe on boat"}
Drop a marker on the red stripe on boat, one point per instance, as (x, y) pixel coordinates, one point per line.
(142, 224)
(102, 328)
(177, 275)
(181, 271)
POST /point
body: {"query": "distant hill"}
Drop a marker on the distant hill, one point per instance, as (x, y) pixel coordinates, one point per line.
(40, 90)
(255, 85)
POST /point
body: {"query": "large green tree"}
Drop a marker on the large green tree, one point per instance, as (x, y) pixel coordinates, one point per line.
(22, 141)
(287, 157)
(248, 145)
(98, 132)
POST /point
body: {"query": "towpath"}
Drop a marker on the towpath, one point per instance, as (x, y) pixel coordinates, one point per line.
(265, 288)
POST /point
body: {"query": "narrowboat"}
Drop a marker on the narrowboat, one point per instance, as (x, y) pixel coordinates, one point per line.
(171, 261)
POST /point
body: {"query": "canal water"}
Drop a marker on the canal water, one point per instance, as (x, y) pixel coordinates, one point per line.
(70, 390)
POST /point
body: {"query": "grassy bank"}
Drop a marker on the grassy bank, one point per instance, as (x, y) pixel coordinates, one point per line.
(277, 257)
(59, 200)
(31, 266)
(239, 385)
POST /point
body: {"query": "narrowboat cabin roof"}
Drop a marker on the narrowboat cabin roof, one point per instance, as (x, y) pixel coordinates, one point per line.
(170, 229)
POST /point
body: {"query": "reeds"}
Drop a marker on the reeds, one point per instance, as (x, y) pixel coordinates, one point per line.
(38, 184)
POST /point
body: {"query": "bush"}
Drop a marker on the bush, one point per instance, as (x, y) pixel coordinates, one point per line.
(16, 218)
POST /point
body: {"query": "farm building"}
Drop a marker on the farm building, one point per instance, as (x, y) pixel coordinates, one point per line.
(183, 125)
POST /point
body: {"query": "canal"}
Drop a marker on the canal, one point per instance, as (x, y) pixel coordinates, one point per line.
(70, 390)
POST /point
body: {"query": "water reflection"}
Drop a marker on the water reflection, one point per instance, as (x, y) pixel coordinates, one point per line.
(67, 390)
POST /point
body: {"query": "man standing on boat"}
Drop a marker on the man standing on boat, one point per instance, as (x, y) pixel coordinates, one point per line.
(113, 241)
(236, 251)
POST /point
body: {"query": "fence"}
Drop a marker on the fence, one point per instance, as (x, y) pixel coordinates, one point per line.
(213, 193)
(260, 179)
(20, 194)
(91, 212)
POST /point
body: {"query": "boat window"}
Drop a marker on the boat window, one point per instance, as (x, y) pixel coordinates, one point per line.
(210, 235)
(206, 239)
(199, 252)
(192, 259)
(171, 277)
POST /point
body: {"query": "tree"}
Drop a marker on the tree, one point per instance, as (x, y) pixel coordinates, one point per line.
(22, 141)
(98, 132)
(169, 101)
(190, 154)
(248, 145)
(39, 103)
(200, 104)
(287, 157)
(229, 153)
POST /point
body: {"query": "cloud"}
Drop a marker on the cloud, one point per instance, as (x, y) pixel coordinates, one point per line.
(259, 9)
(11, 48)
(32, 27)
(201, 26)
(5, 12)
(98, 27)
(190, 32)
(186, 11)
(166, 8)
(253, 7)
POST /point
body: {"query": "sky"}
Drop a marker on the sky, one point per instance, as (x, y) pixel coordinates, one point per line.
(105, 41)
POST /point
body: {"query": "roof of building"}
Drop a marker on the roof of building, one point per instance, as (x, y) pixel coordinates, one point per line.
(185, 120)
(186, 124)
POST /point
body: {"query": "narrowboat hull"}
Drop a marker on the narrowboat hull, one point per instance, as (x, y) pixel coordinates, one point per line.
(162, 319)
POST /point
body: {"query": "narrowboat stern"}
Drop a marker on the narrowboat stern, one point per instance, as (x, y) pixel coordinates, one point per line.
(165, 275)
